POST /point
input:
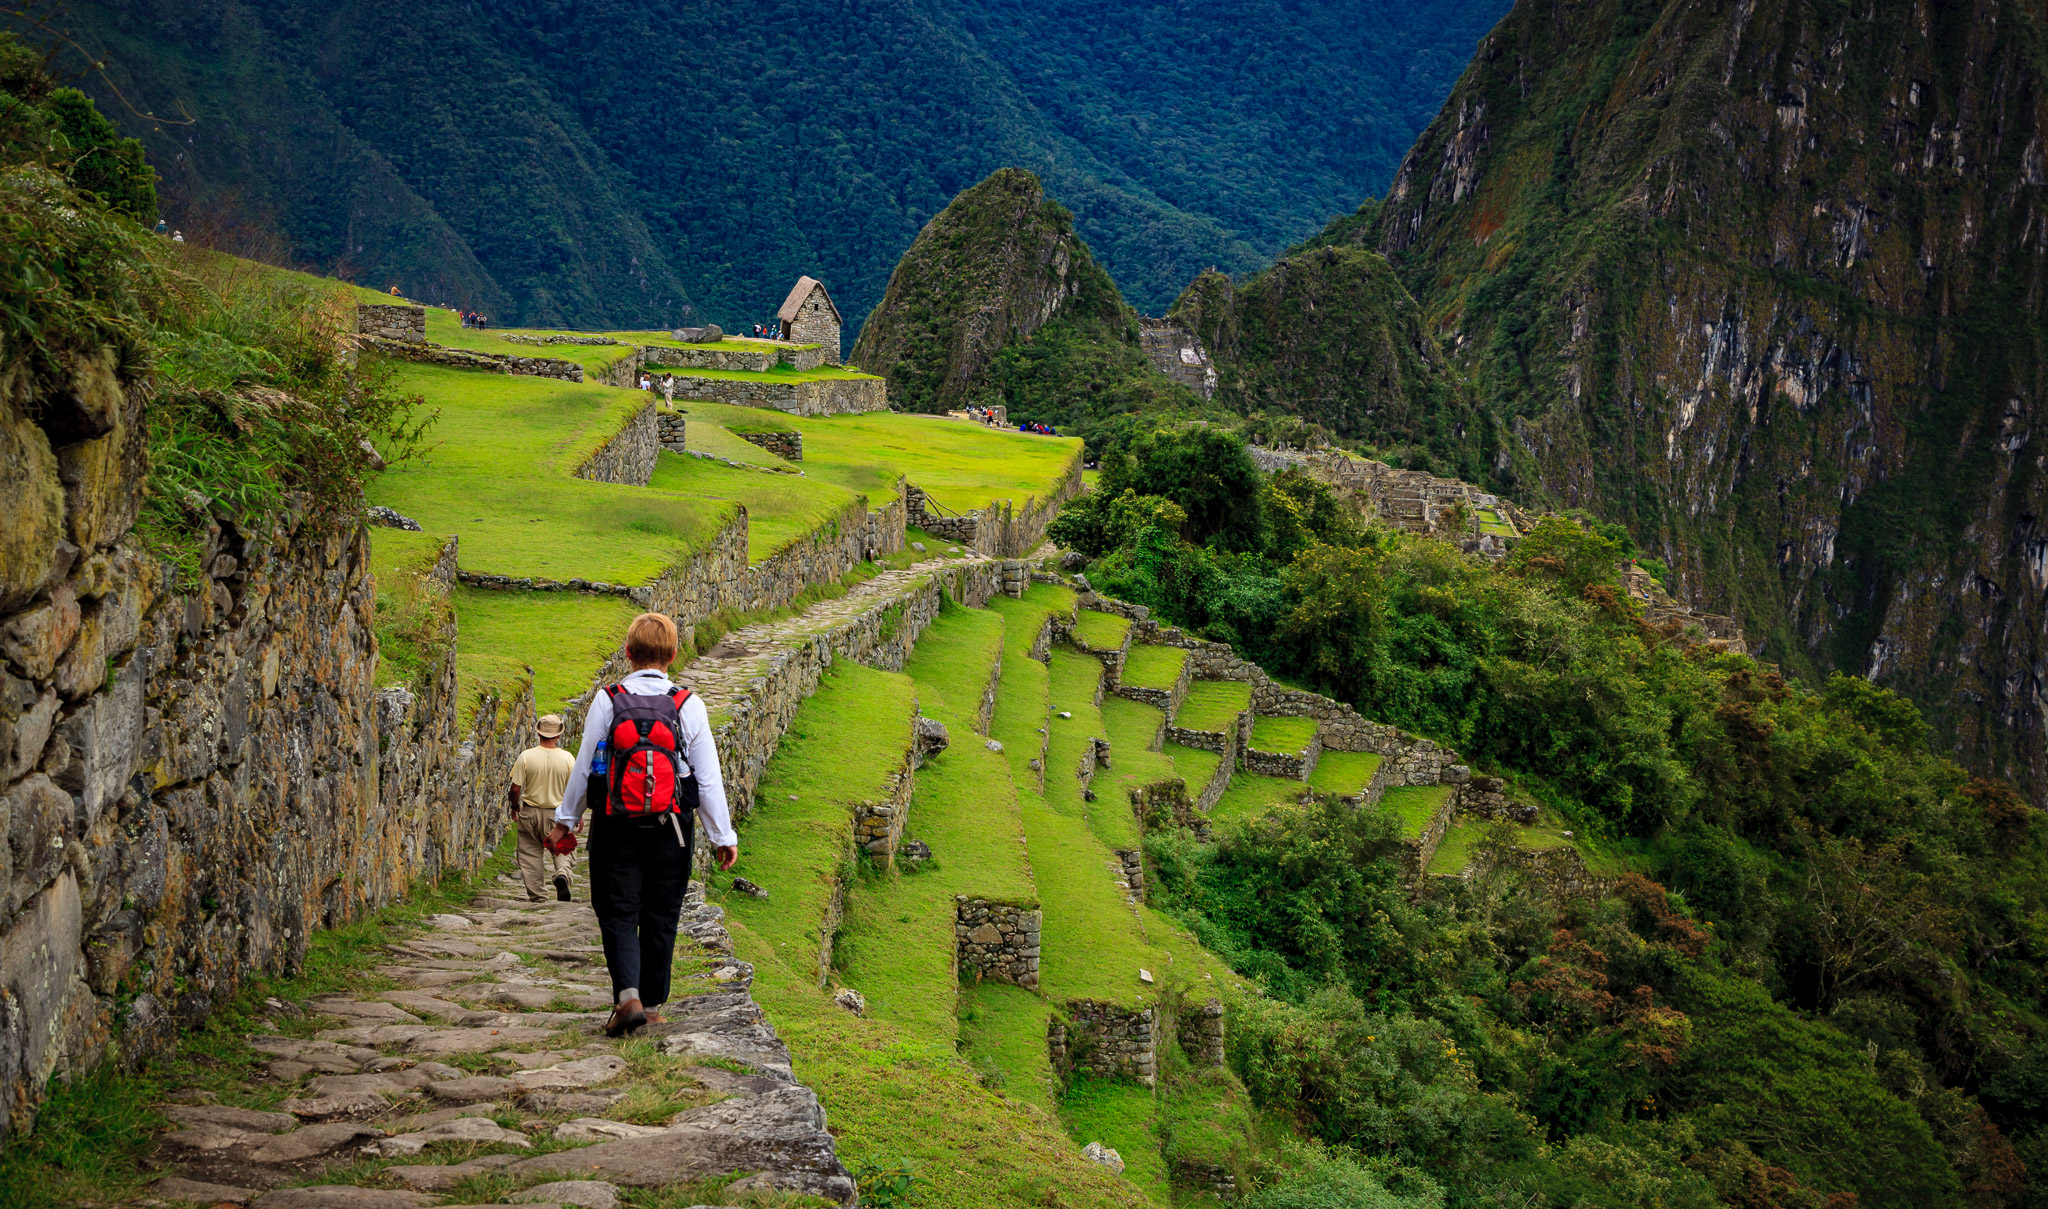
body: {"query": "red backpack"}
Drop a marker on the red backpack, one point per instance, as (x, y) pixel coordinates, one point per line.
(649, 773)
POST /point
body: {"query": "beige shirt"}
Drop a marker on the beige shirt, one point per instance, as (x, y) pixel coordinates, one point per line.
(542, 773)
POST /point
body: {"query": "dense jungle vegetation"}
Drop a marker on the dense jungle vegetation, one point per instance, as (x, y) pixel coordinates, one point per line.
(1827, 981)
(621, 165)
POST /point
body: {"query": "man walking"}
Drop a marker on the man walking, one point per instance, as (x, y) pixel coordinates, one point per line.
(539, 777)
(661, 773)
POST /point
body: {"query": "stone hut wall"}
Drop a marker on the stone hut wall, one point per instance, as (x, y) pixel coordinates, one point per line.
(195, 777)
(1105, 1039)
(630, 455)
(789, 445)
(398, 321)
(816, 323)
(996, 940)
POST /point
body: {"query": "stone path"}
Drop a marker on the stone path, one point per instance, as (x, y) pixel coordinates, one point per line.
(484, 1063)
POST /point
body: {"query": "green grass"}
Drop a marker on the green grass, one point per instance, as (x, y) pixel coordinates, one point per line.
(897, 945)
(703, 436)
(893, 1086)
(1132, 726)
(731, 344)
(392, 550)
(1289, 735)
(564, 636)
(1148, 666)
(780, 507)
(1344, 772)
(1195, 765)
(1002, 1033)
(1491, 522)
(1414, 805)
(1125, 1118)
(499, 474)
(962, 466)
(797, 843)
(1101, 631)
(737, 418)
(1250, 796)
(1213, 705)
(1462, 839)
(1073, 680)
(446, 328)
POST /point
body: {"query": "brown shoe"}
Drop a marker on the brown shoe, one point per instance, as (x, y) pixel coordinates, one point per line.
(626, 1018)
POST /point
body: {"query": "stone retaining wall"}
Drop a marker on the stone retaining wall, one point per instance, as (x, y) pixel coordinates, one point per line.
(629, 456)
(195, 777)
(462, 358)
(397, 321)
(787, 445)
(998, 941)
(818, 397)
(878, 821)
(670, 430)
(662, 356)
(1106, 1040)
(1201, 1033)
(1292, 766)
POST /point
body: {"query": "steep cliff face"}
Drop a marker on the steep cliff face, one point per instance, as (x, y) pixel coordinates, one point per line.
(1765, 282)
(1331, 334)
(991, 270)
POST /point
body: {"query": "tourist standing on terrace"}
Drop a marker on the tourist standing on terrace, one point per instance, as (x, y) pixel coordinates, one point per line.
(660, 763)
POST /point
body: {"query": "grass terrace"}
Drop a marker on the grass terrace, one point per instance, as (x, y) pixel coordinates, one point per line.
(1346, 773)
(446, 328)
(1194, 765)
(1101, 631)
(1288, 735)
(1250, 796)
(962, 466)
(1147, 666)
(703, 436)
(1493, 523)
(500, 474)
(780, 507)
(1213, 705)
(565, 637)
(1414, 806)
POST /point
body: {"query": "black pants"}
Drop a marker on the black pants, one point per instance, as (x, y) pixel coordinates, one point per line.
(638, 875)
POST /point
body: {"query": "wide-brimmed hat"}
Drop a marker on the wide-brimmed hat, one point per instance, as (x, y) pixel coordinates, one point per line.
(550, 726)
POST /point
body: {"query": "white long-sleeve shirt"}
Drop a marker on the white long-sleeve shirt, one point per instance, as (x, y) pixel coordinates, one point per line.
(699, 749)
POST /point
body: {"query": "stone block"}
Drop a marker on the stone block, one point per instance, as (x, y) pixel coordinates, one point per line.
(32, 500)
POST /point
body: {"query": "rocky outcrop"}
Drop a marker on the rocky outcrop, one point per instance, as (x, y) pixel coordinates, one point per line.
(996, 265)
(1771, 295)
(196, 769)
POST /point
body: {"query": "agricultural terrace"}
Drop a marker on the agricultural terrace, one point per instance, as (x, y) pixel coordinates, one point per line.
(961, 466)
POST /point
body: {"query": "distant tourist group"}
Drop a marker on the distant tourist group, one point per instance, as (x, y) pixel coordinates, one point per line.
(1041, 429)
(645, 772)
(472, 319)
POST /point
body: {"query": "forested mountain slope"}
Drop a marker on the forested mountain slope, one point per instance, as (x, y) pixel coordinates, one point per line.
(614, 163)
(1765, 282)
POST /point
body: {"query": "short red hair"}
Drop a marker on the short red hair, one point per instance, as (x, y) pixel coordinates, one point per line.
(651, 641)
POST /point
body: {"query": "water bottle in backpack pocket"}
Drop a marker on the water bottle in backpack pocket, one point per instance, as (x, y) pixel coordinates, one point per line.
(648, 773)
(594, 784)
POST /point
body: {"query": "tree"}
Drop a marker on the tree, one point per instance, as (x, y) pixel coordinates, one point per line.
(1558, 548)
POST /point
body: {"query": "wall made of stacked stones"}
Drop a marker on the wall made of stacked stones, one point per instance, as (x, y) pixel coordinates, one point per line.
(823, 397)
(662, 356)
(1107, 1040)
(878, 821)
(398, 321)
(1201, 1033)
(194, 774)
(630, 455)
(787, 445)
(462, 358)
(996, 940)
(815, 323)
(671, 429)
(1489, 798)
(1287, 765)
(1004, 531)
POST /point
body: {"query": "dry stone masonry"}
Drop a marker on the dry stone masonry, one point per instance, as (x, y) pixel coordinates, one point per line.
(998, 941)
(400, 321)
(196, 772)
(998, 530)
(808, 316)
(630, 455)
(787, 445)
(1107, 1040)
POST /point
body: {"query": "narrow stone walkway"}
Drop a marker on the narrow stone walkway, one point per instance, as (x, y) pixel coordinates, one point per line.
(483, 1067)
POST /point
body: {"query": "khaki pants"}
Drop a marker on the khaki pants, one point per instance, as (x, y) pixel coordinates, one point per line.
(537, 866)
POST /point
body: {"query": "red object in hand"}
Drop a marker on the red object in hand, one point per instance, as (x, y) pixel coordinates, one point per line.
(560, 841)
